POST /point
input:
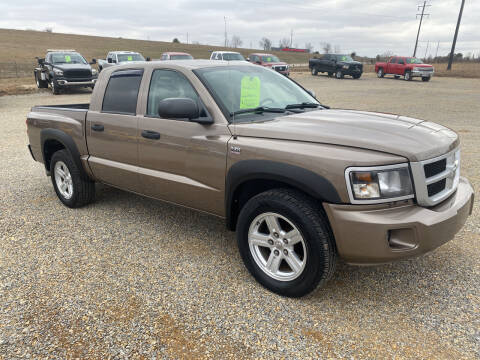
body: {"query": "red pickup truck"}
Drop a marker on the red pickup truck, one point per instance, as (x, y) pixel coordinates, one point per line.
(408, 67)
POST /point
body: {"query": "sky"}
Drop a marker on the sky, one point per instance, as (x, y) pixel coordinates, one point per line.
(365, 26)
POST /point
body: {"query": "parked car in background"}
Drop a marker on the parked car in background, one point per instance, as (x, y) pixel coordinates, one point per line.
(302, 184)
(176, 56)
(227, 56)
(270, 61)
(119, 57)
(336, 64)
(408, 67)
(61, 69)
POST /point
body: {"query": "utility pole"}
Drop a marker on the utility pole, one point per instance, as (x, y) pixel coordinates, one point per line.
(436, 52)
(226, 40)
(291, 38)
(450, 59)
(187, 38)
(426, 50)
(420, 25)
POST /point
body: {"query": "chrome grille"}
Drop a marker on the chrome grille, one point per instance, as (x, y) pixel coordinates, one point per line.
(436, 179)
(279, 68)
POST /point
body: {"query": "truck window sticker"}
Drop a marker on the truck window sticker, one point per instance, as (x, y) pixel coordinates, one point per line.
(344, 58)
(250, 92)
(68, 58)
(129, 58)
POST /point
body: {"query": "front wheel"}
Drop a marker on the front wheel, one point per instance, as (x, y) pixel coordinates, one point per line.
(339, 74)
(285, 242)
(357, 76)
(426, 78)
(54, 87)
(330, 74)
(72, 187)
(408, 76)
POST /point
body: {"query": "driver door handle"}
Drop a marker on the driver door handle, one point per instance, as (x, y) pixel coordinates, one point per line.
(148, 134)
(97, 127)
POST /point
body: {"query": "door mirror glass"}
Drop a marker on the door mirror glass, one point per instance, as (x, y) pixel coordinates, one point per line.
(178, 108)
(41, 61)
(109, 60)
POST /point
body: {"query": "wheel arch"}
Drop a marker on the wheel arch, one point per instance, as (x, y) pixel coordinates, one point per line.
(52, 140)
(248, 178)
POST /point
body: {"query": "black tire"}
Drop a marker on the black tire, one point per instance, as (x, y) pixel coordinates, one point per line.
(396, 76)
(426, 78)
(313, 226)
(83, 189)
(330, 74)
(314, 71)
(407, 76)
(357, 76)
(380, 73)
(55, 88)
(339, 74)
(41, 84)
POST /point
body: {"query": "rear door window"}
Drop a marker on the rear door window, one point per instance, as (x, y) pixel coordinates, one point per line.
(400, 61)
(122, 92)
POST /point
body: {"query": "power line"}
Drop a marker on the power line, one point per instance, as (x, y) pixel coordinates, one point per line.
(450, 59)
(420, 25)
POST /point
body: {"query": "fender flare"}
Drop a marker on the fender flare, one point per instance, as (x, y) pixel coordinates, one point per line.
(67, 141)
(309, 182)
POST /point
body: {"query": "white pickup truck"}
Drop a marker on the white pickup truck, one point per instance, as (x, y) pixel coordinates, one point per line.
(119, 57)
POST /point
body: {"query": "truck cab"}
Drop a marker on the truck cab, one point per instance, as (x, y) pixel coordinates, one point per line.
(118, 58)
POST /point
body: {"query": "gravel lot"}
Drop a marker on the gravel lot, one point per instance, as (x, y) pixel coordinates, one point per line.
(129, 277)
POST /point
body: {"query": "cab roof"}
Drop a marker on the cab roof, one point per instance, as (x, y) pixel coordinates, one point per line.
(188, 64)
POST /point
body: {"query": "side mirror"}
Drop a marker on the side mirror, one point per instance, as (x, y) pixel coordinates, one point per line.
(41, 61)
(109, 60)
(248, 59)
(114, 61)
(148, 58)
(178, 108)
(94, 61)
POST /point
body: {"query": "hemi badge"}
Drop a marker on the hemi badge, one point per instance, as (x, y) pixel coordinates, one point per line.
(235, 149)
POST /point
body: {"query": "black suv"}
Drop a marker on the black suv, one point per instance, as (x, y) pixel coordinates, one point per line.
(338, 65)
(64, 69)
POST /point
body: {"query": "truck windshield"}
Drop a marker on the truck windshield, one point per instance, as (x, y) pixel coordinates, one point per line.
(343, 58)
(270, 58)
(232, 57)
(238, 88)
(181, 57)
(68, 58)
(130, 57)
(414, 61)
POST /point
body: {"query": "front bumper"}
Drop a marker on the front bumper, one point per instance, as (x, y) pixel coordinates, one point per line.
(378, 234)
(72, 83)
(417, 73)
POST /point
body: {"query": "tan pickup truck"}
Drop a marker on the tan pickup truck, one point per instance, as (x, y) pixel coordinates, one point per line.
(300, 183)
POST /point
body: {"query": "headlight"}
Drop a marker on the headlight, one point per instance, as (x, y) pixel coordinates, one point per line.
(379, 184)
(58, 72)
(345, 66)
(94, 71)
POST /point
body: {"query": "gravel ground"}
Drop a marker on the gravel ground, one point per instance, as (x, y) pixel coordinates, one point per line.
(129, 277)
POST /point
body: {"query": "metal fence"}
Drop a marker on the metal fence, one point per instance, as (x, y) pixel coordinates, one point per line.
(16, 69)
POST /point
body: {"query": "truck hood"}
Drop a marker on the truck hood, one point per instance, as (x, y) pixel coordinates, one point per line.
(73, 66)
(394, 134)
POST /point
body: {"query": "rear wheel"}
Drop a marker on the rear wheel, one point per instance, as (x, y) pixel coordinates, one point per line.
(426, 78)
(339, 74)
(357, 76)
(41, 84)
(380, 73)
(408, 76)
(72, 187)
(396, 76)
(314, 71)
(286, 242)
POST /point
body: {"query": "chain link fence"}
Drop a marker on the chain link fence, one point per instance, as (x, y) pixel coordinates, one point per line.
(10, 70)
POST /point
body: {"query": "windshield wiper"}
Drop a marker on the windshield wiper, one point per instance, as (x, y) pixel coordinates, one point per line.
(303, 105)
(258, 110)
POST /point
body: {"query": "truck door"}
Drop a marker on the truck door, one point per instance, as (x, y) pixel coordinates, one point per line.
(391, 66)
(179, 160)
(112, 132)
(401, 66)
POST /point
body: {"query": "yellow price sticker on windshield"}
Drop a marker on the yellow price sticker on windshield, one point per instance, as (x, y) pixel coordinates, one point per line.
(68, 58)
(129, 58)
(250, 92)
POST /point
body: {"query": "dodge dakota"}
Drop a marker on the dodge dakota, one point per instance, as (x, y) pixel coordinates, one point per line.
(302, 184)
